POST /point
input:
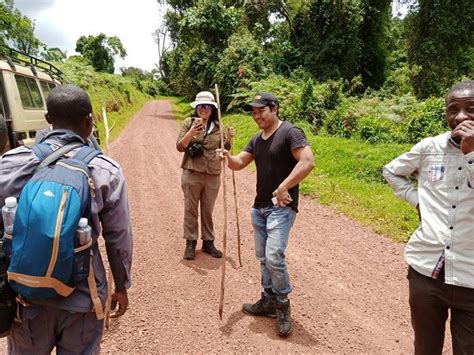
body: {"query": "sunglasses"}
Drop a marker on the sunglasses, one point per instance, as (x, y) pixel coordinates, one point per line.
(204, 107)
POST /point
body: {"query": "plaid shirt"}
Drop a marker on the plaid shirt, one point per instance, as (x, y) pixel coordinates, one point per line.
(445, 197)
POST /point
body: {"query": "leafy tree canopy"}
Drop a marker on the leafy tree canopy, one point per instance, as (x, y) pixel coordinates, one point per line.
(17, 29)
(100, 51)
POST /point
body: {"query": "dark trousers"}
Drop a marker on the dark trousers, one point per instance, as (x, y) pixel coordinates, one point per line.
(430, 302)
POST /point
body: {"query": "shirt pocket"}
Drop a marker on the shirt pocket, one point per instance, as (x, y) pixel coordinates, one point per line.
(438, 170)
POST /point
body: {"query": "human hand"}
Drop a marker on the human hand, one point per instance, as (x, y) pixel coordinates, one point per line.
(222, 153)
(282, 196)
(465, 131)
(120, 298)
(196, 128)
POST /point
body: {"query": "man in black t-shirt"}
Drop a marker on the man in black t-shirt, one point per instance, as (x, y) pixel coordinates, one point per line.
(283, 158)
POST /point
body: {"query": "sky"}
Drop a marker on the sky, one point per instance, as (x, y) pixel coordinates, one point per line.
(59, 23)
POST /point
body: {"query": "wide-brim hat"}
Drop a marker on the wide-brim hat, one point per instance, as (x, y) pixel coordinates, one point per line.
(260, 100)
(203, 98)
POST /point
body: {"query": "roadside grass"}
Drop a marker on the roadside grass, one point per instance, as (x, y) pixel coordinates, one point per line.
(348, 176)
(118, 120)
(181, 107)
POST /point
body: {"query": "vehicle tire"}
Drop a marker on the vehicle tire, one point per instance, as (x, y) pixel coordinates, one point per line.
(3, 133)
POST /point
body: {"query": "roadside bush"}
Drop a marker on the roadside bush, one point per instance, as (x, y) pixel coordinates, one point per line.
(342, 121)
(427, 120)
(375, 129)
(242, 61)
(286, 91)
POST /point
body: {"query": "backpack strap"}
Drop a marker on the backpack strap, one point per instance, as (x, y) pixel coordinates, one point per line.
(99, 310)
(47, 156)
(86, 154)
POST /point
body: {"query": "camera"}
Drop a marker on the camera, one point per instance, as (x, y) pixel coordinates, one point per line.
(196, 150)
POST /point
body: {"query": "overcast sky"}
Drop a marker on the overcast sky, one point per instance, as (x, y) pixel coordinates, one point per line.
(59, 23)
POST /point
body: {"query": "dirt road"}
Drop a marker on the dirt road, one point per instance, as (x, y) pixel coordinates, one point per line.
(350, 291)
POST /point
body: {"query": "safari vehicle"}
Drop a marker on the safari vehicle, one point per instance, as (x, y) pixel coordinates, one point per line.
(25, 82)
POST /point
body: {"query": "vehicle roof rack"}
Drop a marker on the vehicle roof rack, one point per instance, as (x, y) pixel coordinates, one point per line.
(14, 56)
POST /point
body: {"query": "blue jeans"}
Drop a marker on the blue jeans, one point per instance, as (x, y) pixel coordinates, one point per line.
(271, 227)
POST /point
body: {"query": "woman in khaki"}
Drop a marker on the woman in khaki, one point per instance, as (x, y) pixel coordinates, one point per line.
(198, 139)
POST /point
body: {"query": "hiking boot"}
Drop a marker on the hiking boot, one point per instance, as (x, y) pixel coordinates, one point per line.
(190, 251)
(209, 248)
(265, 306)
(283, 314)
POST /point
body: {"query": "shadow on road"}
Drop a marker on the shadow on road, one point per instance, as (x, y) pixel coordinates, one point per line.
(265, 325)
(204, 262)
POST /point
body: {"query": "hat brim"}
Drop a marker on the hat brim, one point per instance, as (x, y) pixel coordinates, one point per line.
(248, 107)
(195, 103)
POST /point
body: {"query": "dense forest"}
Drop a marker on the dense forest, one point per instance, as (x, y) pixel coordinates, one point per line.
(370, 69)
(349, 68)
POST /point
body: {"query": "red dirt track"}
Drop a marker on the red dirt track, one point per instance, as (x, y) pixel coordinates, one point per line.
(350, 291)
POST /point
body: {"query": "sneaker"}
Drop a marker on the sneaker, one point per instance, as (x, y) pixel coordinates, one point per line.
(265, 306)
(190, 251)
(283, 315)
(209, 248)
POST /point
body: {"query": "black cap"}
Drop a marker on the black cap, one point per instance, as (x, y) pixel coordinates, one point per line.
(260, 100)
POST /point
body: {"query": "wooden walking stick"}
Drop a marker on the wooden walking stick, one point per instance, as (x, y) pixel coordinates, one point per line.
(224, 190)
(108, 302)
(236, 205)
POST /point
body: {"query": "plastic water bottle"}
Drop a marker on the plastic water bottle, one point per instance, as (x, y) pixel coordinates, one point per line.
(8, 215)
(82, 258)
(83, 232)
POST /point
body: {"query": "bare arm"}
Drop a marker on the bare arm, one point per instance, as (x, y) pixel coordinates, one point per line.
(305, 164)
(239, 161)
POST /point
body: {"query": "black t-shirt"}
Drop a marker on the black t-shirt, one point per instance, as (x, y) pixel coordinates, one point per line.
(275, 162)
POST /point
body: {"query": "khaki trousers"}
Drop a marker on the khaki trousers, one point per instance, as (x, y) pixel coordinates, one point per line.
(200, 190)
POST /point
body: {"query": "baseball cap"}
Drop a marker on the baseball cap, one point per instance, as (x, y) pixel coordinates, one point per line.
(260, 100)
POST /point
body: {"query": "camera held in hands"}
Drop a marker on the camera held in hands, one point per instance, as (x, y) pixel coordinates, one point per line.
(196, 150)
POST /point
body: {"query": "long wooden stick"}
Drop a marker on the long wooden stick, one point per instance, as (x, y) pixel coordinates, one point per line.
(224, 190)
(239, 253)
(108, 302)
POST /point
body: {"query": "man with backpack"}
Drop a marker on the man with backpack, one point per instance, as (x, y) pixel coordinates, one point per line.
(72, 321)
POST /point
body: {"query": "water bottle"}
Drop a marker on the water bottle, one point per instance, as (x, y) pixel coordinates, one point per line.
(8, 215)
(82, 258)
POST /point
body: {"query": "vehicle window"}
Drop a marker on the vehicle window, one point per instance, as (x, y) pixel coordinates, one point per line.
(45, 88)
(29, 92)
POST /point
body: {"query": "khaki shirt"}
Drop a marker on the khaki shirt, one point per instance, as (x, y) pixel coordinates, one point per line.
(209, 162)
(445, 195)
(110, 216)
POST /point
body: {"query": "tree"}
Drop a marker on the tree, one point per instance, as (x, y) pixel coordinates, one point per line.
(329, 38)
(441, 44)
(376, 18)
(240, 63)
(199, 31)
(17, 29)
(54, 55)
(100, 51)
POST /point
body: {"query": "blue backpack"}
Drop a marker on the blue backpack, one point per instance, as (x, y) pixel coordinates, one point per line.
(49, 208)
